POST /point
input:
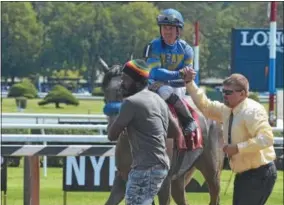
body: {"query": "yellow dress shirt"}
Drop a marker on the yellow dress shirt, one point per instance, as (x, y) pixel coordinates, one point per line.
(251, 130)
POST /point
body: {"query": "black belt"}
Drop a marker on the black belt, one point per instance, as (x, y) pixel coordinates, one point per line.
(259, 169)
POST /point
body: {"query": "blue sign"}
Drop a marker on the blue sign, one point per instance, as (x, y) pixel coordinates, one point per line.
(250, 57)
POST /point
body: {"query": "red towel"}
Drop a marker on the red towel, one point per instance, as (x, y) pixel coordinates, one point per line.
(193, 141)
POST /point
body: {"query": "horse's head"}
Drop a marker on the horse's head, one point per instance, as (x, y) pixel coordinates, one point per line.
(111, 88)
(113, 98)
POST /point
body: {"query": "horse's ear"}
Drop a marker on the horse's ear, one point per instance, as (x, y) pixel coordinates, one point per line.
(130, 57)
(104, 64)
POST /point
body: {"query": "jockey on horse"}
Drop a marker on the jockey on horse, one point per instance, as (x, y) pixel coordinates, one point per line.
(167, 56)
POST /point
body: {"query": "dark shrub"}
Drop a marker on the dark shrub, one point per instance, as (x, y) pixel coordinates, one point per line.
(97, 91)
(23, 89)
(57, 95)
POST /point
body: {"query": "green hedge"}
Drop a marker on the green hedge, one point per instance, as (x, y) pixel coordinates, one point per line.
(57, 95)
(23, 89)
(97, 91)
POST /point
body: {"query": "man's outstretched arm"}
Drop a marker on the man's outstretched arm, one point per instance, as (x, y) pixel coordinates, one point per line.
(124, 117)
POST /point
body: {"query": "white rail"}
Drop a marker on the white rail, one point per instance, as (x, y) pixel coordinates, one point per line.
(72, 126)
(54, 126)
(72, 138)
(47, 116)
(54, 138)
(278, 141)
(42, 127)
(277, 129)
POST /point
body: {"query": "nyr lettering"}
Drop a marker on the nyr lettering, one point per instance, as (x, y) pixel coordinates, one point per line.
(261, 38)
(79, 170)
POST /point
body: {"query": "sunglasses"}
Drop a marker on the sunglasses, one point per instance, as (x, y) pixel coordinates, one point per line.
(230, 92)
(170, 18)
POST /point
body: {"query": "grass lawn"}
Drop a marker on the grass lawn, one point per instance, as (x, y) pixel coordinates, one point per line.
(51, 187)
(85, 107)
(51, 191)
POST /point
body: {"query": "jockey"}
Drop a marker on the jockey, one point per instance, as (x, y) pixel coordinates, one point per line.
(166, 56)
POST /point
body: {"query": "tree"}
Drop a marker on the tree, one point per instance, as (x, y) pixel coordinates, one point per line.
(21, 37)
(136, 26)
(57, 95)
(76, 33)
(23, 89)
(48, 36)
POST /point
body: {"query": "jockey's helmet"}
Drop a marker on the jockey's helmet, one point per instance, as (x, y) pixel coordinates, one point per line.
(170, 17)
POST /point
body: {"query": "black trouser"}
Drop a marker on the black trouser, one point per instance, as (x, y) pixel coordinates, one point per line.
(253, 187)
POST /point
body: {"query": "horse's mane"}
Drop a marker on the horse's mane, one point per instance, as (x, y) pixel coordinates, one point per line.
(114, 71)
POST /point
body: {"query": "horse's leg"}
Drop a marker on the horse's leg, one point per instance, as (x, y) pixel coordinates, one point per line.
(178, 187)
(117, 192)
(188, 176)
(164, 194)
(211, 174)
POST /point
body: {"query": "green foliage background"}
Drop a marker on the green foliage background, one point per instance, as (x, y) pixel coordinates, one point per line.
(43, 37)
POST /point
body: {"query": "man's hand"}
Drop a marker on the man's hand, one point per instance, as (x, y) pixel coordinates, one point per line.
(230, 149)
(188, 74)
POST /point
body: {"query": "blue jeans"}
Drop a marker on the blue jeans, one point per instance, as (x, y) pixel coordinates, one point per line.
(144, 184)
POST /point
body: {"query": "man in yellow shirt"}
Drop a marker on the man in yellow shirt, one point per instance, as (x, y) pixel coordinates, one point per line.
(248, 137)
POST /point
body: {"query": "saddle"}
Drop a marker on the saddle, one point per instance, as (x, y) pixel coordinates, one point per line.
(189, 142)
(187, 148)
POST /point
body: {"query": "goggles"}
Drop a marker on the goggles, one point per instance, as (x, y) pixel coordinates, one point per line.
(168, 19)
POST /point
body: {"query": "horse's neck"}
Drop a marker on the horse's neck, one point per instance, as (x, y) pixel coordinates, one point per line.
(123, 141)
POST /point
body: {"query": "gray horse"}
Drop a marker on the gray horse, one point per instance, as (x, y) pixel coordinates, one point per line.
(209, 163)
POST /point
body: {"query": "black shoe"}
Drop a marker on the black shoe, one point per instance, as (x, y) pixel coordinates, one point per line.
(190, 127)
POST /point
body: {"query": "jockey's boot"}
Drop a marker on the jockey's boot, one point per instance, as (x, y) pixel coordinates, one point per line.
(184, 115)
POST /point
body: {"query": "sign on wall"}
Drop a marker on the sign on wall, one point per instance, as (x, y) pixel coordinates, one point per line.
(250, 56)
(88, 173)
(97, 174)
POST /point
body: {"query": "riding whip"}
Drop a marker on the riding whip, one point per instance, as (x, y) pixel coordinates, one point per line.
(228, 184)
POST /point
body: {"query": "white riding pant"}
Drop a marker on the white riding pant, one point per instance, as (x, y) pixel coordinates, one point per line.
(165, 91)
